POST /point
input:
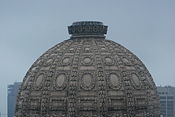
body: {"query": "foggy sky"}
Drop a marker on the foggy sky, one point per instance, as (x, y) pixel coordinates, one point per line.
(29, 27)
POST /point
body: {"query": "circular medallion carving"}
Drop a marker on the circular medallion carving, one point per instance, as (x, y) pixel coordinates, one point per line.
(114, 81)
(87, 60)
(66, 60)
(135, 80)
(108, 61)
(60, 80)
(39, 80)
(125, 60)
(87, 81)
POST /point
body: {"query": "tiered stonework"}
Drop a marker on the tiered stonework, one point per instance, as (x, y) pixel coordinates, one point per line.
(88, 76)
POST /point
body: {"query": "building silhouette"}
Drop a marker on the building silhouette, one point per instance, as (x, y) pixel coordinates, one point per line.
(88, 76)
(167, 101)
(11, 101)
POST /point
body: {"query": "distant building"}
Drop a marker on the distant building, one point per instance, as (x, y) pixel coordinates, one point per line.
(167, 101)
(11, 101)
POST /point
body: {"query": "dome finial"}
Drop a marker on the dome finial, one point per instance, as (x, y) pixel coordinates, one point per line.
(87, 28)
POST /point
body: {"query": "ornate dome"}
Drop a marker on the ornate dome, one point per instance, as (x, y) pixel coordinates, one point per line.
(88, 76)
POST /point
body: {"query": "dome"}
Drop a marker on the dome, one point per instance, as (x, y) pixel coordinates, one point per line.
(88, 76)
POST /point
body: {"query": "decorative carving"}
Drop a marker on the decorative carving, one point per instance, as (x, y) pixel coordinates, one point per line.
(26, 81)
(88, 76)
(35, 104)
(66, 60)
(114, 80)
(39, 80)
(108, 61)
(60, 80)
(135, 79)
(87, 60)
(87, 81)
(87, 28)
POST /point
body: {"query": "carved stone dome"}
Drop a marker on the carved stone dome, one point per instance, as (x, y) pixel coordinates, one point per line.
(88, 76)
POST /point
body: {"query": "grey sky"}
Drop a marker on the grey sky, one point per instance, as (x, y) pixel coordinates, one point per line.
(29, 27)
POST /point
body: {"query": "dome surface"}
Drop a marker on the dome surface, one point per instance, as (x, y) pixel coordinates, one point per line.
(88, 76)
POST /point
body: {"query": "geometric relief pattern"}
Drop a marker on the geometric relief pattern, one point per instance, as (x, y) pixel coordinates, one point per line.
(60, 81)
(87, 81)
(90, 77)
(114, 80)
(54, 71)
